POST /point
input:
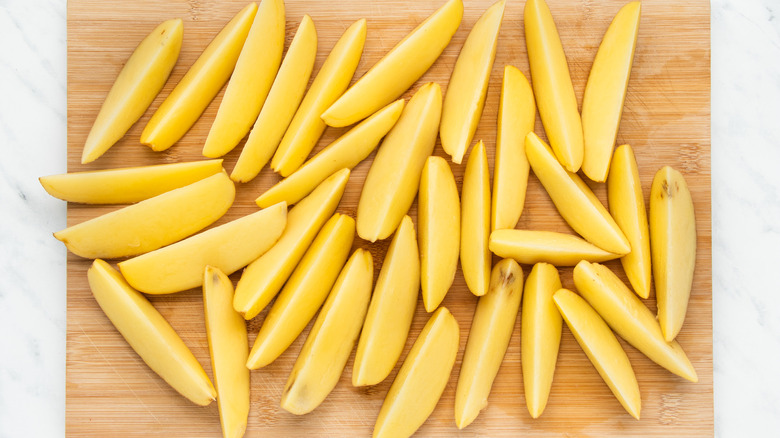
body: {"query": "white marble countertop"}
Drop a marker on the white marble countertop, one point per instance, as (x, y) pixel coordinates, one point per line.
(745, 204)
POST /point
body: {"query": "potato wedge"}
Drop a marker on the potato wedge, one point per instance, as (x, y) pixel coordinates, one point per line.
(475, 257)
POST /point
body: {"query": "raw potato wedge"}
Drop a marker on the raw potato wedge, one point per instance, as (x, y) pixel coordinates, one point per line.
(516, 117)
(394, 176)
(422, 378)
(540, 335)
(391, 310)
(127, 185)
(304, 292)
(141, 79)
(491, 329)
(152, 223)
(602, 348)
(438, 218)
(475, 257)
(467, 88)
(228, 348)
(149, 334)
(630, 318)
(627, 206)
(251, 80)
(552, 85)
(673, 247)
(576, 203)
(331, 81)
(182, 108)
(332, 337)
(605, 92)
(228, 247)
(280, 105)
(264, 277)
(530, 247)
(392, 75)
(345, 152)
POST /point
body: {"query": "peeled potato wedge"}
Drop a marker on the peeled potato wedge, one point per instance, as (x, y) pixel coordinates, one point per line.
(149, 334)
(602, 348)
(540, 335)
(438, 219)
(264, 277)
(467, 87)
(673, 247)
(574, 200)
(530, 247)
(152, 223)
(475, 258)
(333, 78)
(630, 318)
(127, 185)
(394, 177)
(627, 206)
(392, 75)
(516, 117)
(304, 292)
(139, 82)
(228, 348)
(345, 152)
(391, 310)
(228, 247)
(605, 92)
(251, 80)
(552, 85)
(491, 329)
(182, 108)
(279, 108)
(422, 378)
(332, 337)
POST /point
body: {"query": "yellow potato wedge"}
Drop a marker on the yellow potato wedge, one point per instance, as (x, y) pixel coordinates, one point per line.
(182, 108)
(394, 176)
(228, 348)
(422, 378)
(491, 329)
(141, 79)
(540, 335)
(627, 206)
(392, 75)
(345, 152)
(516, 117)
(630, 318)
(304, 292)
(149, 334)
(467, 88)
(475, 258)
(576, 203)
(279, 108)
(552, 85)
(331, 81)
(391, 310)
(228, 247)
(152, 223)
(530, 247)
(264, 277)
(251, 80)
(602, 348)
(332, 337)
(605, 92)
(126, 185)
(673, 247)
(438, 218)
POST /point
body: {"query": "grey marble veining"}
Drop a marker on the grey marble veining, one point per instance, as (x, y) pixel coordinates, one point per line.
(745, 203)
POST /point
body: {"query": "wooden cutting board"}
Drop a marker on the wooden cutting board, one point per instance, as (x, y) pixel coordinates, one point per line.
(110, 391)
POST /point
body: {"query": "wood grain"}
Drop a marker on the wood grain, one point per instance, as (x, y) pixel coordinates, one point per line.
(110, 392)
